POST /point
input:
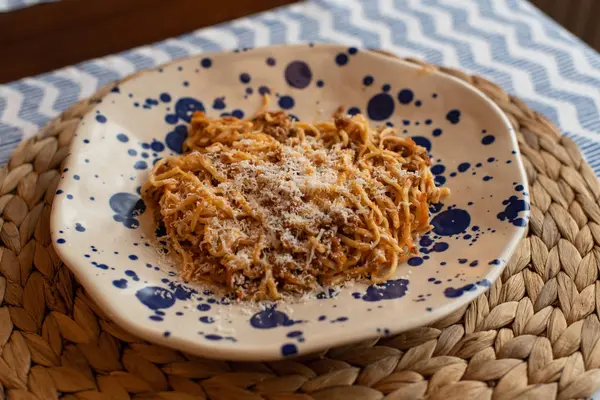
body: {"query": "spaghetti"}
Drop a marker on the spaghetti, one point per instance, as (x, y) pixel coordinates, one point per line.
(266, 205)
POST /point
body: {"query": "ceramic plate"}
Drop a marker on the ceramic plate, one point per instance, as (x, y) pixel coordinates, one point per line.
(99, 221)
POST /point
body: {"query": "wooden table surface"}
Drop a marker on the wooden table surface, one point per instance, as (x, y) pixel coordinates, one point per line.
(44, 37)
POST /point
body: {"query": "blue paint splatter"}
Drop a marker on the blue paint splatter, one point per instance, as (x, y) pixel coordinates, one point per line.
(127, 208)
(244, 77)
(132, 274)
(392, 289)
(451, 222)
(171, 119)
(271, 318)
(219, 103)
(436, 132)
(206, 62)
(286, 102)
(181, 291)
(405, 96)
(289, 349)
(514, 206)
(298, 74)
(415, 261)
(464, 167)
(157, 146)
(329, 294)
(353, 111)
(176, 137)
(120, 283)
(380, 107)
(489, 139)
(101, 118)
(140, 165)
(121, 137)
(454, 293)
(425, 241)
(341, 59)
(155, 298)
(368, 80)
(440, 247)
(207, 320)
(186, 106)
(339, 319)
(61, 241)
(423, 142)
(79, 227)
(453, 116)
(438, 169)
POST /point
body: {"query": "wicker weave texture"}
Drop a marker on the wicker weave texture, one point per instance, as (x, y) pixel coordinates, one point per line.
(535, 334)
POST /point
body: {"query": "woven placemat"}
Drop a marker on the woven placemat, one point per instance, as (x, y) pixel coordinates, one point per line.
(534, 334)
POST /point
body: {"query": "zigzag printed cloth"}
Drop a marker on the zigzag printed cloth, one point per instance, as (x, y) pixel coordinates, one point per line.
(507, 41)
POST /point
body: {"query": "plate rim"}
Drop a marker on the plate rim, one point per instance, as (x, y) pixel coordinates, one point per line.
(268, 352)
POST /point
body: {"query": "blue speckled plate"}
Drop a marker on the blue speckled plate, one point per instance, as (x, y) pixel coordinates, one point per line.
(99, 221)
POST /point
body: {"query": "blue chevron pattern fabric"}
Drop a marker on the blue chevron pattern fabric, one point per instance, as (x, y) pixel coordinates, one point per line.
(507, 41)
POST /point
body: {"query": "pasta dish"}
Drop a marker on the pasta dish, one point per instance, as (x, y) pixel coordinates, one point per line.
(268, 205)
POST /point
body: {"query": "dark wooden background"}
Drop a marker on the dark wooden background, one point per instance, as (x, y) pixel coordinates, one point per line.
(581, 17)
(52, 35)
